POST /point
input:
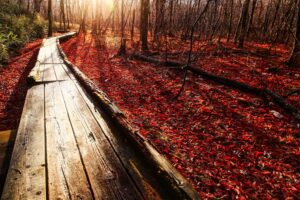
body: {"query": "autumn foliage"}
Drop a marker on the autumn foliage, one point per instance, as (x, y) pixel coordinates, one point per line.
(228, 143)
(13, 85)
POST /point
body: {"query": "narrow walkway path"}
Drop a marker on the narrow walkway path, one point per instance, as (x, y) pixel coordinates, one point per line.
(64, 148)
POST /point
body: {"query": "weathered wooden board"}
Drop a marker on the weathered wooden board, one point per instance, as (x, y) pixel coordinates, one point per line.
(49, 41)
(48, 73)
(67, 178)
(60, 73)
(108, 177)
(68, 71)
(26, 176)
(66, 147)
(47, 58)
(167, 176)
(131, 160)
(56, 58)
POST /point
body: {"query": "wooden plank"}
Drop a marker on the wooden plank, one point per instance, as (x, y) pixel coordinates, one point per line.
(49, 41)
(68, 71)
(56, 55)
(148, 180)
(48, 73)
(48, 50)
(143, 178)
(26, 176)
(47, 55)
(41, 56)
(108, 177)
(66, 174)
(37, 73)
(60, 73)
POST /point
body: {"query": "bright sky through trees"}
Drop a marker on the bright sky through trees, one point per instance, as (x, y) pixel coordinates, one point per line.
(107, 5)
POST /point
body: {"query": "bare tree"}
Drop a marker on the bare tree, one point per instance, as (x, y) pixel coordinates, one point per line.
(37, 5)
(122, 49)
(295, 55)
(230, 20)
(186, 67)
(244, 23)
(144, 23)
(50, 18)
(132, 24)
(251, 16)
(63, 15)
(159, 17)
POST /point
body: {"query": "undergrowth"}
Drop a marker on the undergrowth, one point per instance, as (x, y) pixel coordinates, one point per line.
(17, 27)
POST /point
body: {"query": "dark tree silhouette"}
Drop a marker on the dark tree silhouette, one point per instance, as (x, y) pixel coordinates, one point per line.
(295, 55)
(144, 23)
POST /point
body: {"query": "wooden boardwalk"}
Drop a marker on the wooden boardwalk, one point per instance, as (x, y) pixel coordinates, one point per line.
(67, 149)
(61, 149)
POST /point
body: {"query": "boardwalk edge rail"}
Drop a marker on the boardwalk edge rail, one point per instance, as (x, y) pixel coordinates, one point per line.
(179, 184)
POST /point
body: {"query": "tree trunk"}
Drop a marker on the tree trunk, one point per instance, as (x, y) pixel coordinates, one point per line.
(230, 21)
(145, 8)
(132, 24)
(63, 15)
(122, 50)
(37, 5)
(278, 4)
(251, 17)
(28, 5)
(266, 20)
(237, 31)
(159, 17)
(68, 14)
(295, 55)
(50, 18)
(113, 21)
(171, 5)
(244, 23)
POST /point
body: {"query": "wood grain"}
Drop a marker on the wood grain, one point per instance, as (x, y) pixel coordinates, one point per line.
(66, 174)
(108, 177)
(26, 177)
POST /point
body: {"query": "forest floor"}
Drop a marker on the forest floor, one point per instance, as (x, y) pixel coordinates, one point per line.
(228, 143)
(13, 85)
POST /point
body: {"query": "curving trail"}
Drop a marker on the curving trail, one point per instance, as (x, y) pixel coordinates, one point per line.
(67, 148)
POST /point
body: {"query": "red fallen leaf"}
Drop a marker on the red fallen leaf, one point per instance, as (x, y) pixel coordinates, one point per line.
(246, 137)
(266, 172)
(244, 133)
(179, 167)
(258, 153)
(13, 85)
(227, 158)
(231, 187)
(294, 189)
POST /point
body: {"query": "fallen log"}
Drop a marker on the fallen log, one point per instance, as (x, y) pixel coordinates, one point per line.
(173, 181)
(264, 93)
(224, 51)
(293, 92)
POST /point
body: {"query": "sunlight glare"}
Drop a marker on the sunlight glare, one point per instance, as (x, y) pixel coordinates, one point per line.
(108, 4)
